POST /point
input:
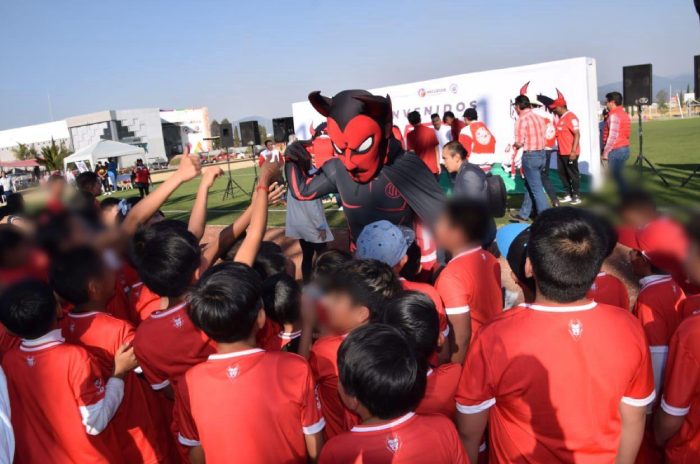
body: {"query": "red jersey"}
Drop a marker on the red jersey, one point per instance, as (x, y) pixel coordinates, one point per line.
(410, 438)
(221, 406)
(7, 341)
(657, 308)
(609, 290)
(323, 360)
(424, 142)
(139, 424)
(471, 283)
(49, 382)
(477, 139)
(281, 341)
(551, 383)
(440, 390)
(456, 128)
(143, 302)
(143, 175)
(167, 344)
(689, 306)
(681, 387)
(567, 128)
(322, 149)
(431, 293)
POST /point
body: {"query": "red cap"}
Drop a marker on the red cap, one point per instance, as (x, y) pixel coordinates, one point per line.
(663, 242)
(560, 101)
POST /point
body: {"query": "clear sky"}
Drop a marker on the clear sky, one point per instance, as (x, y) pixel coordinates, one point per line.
(247, 57)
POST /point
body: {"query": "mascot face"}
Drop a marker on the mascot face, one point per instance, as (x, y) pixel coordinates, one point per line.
(359, 125)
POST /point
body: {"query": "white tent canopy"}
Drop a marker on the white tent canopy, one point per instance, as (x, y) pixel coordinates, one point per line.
(103, 149)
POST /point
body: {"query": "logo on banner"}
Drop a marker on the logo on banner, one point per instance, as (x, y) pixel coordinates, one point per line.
(421, 92)
(453, 88)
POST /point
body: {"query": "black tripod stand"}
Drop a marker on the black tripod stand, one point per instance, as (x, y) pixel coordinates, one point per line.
(232, 186)
(641, 159)
(690, 177)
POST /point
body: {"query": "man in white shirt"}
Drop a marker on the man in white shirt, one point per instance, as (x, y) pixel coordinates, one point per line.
(443, 132)
(270, 153)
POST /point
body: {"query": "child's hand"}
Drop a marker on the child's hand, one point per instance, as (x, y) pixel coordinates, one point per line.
(276, 193)
(268, 171)
(190, 167)
(124, 360)
(209, 175)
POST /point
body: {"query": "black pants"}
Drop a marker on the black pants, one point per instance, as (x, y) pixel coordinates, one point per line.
(143, 189)
(308, 249)
(546, 181)
(569, 175)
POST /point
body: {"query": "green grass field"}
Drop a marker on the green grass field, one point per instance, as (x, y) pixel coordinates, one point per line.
(673, 146)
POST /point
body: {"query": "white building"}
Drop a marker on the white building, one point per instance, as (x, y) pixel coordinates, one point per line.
(38, 135)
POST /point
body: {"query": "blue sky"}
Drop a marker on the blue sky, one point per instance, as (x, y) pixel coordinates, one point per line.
(246, 57)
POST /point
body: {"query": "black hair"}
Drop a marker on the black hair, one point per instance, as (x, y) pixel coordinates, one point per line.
(367, 282)
(414, 314)
(615, 97)
(109, 202)
(52, 230)
(470, 216)
(166, 255)
(566, 253)
(522, 102)
(448, 114)
(379, 367)
(11, 237)
(224, 304)
(270, 260)
(72, 271)
(326, 264)
(281, 296)
(85, 181)
(608, 234)
(456, 147)
(268, 141)
(471, 114)
(435, 115)
(28, 309)
(413, 118)
(636, 199)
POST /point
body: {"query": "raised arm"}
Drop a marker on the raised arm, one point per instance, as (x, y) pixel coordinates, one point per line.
(198, 217)
(301, 185)
(144, 209)
(258, 220)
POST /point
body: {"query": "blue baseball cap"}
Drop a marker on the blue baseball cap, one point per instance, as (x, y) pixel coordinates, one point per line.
(384, 242)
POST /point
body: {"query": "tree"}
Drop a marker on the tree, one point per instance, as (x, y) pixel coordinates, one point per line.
(52, 156)
(236, 137)
(662, 100)
(263, 133)
(24, 152)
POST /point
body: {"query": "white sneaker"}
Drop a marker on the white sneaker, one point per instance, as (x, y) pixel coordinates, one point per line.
(576, 201)
(566, 199)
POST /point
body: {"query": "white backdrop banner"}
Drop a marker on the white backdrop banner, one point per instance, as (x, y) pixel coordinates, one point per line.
(492, 92)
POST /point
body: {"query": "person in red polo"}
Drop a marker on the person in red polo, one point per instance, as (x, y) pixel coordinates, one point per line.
(455, 124)
(477, 139)
(424, 142)
(616, 136)
(568, 138)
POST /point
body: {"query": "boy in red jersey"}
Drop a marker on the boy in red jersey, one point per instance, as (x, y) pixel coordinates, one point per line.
(81, 278)
(470, 284)
(390, 244)
(282, 302)
(244, 404)
(61, 402)
(413, 313)
(383, 380)
(542, 374)
(677, 420)
(607, 288)
(355, 295)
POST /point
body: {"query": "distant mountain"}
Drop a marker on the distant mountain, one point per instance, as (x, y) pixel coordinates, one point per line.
(678, 84)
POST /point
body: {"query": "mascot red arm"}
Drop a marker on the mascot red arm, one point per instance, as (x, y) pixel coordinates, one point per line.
(375, 177)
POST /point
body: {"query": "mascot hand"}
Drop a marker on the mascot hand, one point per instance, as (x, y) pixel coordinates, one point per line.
(297, 153)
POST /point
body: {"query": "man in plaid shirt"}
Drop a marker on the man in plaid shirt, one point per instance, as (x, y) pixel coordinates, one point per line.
(530, 132)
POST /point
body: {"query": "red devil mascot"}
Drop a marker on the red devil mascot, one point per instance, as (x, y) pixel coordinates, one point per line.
(375, 177)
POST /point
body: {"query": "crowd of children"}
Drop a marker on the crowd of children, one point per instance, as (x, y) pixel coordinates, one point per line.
(124, 338)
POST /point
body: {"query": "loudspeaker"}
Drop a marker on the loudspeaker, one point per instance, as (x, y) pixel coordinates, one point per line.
(226, 134)
(697, 77)
(282, 128)
(250, 132)
(636, 83)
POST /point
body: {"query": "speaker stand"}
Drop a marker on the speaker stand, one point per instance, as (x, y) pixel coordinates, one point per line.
(641, 159)
(690, 177)
(231, 186)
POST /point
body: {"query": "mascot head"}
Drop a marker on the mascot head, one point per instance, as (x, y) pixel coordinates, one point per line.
(359, 125)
